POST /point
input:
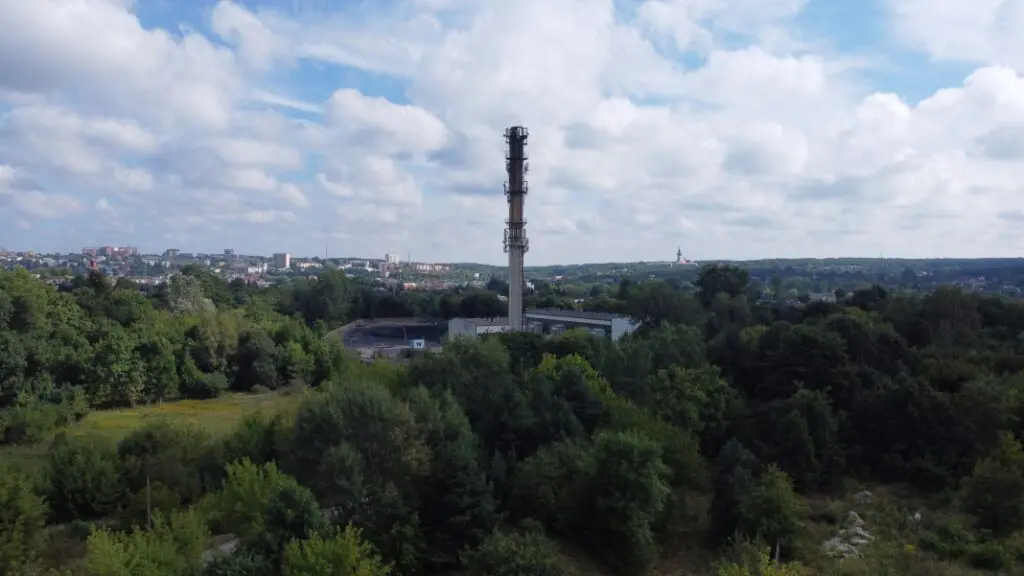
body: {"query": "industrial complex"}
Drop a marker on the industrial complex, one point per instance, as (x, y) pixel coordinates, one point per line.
(545, 321)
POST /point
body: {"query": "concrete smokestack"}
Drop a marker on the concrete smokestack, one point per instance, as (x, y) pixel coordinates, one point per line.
(516, 243)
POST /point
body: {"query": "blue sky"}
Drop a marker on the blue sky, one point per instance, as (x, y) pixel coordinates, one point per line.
(732, 128)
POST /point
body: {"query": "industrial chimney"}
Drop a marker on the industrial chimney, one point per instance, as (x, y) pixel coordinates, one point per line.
(516, 243)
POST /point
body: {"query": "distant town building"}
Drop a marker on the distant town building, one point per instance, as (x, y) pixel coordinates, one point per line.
(171, 253)
(229, 252)
(282, 261)
(681, 261)
(391, 259)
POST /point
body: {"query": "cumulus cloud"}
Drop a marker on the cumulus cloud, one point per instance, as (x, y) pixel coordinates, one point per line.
(712, 124)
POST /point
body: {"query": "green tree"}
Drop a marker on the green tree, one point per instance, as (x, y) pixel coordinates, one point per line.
(772, 511)
(160, 379)
(265, 508)
(364, 454)
(22, 517)
(714, 279)
(83, 477)
(734, 473)
(118, 375)
(343, 554)
(519, 553)
(171, 455)
(994, 493)
(630, 487)
(457, 508)
(174, 547)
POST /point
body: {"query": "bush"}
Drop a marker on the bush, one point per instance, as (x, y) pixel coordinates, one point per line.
(949, 541)
(524, 553)
(762, 565)
(22, 516)
(85, 482)
(989, 556)
(167, 454)
(344, 554)
(173, 547)
(205, 386)
(29, 423)
(239, 563)
(995, 491)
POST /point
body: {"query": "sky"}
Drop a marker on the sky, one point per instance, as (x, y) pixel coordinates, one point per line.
(731, 129)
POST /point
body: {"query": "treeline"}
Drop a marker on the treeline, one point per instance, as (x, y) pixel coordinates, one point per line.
(98, 345)
(704, 429)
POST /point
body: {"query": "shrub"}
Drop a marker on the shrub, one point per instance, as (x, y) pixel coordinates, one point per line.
(948, 540)
(995, 491)
(22, 516)
(239, 563)
(344, 554)
(205, 386)
(84, 478)
(523, 553)
(989, 556)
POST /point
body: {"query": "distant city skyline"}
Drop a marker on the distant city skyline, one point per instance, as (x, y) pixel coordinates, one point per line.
(401, 259)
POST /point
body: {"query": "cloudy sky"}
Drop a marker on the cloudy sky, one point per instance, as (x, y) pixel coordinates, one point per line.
(731, 128)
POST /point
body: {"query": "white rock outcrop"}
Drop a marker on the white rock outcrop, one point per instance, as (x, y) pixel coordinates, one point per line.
(851, 538)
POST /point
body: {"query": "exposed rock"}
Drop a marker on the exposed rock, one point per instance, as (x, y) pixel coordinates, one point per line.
(863, 497)
(853, 520)
(851, 537)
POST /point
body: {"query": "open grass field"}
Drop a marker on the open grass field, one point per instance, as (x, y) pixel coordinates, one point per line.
(218, 416)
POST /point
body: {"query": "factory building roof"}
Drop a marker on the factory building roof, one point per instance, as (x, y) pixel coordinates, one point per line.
(568, 314)
(488, 321)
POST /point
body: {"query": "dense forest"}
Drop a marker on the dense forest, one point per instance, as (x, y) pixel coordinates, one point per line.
(720, 438)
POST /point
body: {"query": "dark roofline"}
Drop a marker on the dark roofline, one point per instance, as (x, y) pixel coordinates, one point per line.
(564, 313)
(497, 321)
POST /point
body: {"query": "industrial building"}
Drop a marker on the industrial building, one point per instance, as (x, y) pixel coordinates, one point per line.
(474, 327)
(548, 321)
(553, 321)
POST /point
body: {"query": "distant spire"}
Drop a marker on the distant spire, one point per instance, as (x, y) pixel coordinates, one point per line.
(679, 255)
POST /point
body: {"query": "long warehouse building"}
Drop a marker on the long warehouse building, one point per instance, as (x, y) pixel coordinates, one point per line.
(548, 321)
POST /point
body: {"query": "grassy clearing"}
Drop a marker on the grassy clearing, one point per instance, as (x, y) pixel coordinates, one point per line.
(902, 545)
(905, 526)
(218, 416)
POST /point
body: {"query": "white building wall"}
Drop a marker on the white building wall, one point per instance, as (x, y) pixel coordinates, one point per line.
(623, 326)
(467, 327)
(460, 327)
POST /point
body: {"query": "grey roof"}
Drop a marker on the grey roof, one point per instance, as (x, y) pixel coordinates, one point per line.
(488, 321)
(575, 314)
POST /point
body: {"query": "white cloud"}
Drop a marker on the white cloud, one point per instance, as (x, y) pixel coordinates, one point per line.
(381, 124)
(98, 50)
(713, 124)
(983, 31)
(257, 45)
(269, 216)
(293, 194)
